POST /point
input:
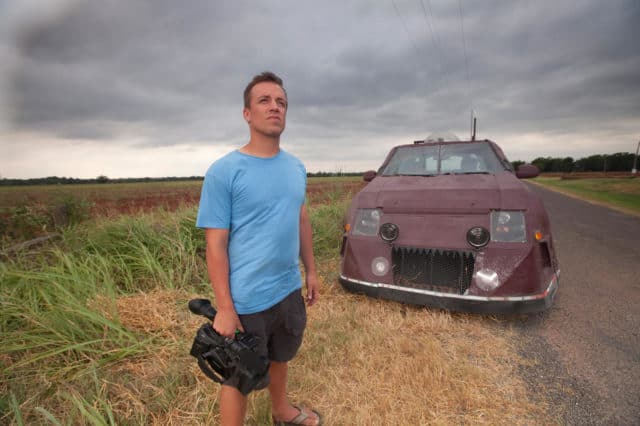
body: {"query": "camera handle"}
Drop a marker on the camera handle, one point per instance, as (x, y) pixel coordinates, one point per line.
(202, 307)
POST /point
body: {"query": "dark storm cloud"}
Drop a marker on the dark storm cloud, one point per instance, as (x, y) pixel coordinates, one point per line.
(167, 72)
(570, 61)
(133, 63)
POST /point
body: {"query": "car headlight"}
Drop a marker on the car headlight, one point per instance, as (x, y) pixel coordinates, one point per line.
(508, 226)
(487, 279)
(379, 266)
(389, 232)
(367, 222)
(478, 236)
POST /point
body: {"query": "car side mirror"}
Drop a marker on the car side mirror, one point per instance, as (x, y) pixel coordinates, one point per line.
(368, 175)
(527, 171)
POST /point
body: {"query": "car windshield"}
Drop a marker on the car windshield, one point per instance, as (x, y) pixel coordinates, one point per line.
(453, 158)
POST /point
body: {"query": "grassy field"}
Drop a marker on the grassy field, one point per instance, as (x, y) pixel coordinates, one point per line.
(619, 193)
(11, 196)
(31, 211)
(95, 330)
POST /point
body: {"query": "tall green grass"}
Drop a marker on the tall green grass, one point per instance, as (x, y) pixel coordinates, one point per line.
(327, 222)
(59, 317)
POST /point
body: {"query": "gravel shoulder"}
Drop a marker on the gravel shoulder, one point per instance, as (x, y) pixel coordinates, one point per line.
(584, 353)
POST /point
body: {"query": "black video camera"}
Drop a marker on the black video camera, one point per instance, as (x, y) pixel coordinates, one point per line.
(221, 358)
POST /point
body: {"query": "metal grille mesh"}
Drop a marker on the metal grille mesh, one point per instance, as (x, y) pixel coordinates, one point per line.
(432, 269)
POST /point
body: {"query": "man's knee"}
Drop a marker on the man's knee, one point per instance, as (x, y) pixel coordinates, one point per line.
(231, 392)
(233, 406)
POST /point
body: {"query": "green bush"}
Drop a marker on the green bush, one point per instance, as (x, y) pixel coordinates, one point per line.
(23, 222)
(27, 221)
(69, 211)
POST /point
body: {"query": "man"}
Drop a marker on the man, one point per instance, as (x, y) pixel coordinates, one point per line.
(257, 228)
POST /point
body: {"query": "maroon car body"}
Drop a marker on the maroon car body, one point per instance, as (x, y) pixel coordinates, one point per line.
(450, 225)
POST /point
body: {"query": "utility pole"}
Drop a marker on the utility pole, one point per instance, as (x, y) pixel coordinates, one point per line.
(635, 160)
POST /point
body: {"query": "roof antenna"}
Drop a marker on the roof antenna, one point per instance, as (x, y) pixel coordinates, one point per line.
(473, 124)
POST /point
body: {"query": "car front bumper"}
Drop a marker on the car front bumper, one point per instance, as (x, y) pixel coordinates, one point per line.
(457, 302)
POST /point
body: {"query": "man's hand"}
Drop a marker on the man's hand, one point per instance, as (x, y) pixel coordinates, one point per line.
(306, 252)
(313, 289)
(226, 323)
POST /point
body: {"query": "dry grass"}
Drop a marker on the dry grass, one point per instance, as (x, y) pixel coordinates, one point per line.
(363, 362)
(376, 362)
(153, 313)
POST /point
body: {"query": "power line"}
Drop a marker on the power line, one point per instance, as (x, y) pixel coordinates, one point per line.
(466, 61)
(424, 14)
(434, 41)
(406, 30)
(415, 46)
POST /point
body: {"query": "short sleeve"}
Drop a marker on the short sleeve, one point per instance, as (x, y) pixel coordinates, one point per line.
(215, 200)
(303, 170)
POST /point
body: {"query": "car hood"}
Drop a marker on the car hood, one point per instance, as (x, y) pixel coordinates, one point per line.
(472, 193)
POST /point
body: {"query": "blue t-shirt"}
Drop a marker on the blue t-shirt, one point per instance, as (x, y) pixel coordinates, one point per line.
(258, 200)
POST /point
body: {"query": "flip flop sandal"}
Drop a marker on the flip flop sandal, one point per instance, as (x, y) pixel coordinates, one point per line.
(299, 419)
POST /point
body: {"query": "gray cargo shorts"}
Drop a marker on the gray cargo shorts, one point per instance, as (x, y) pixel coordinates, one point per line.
(280, 329)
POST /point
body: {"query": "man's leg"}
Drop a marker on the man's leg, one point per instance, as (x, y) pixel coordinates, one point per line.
(281, 409)
(233, 406)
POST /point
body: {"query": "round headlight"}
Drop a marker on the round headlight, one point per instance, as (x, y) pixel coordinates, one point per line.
(478, 236)
(389, 231)
(487, 279)
(379, 266)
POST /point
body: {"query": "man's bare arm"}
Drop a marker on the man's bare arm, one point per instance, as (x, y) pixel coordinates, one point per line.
(306, 253)
(226, 321)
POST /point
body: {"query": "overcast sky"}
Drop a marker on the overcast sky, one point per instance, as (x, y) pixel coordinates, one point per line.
(131, 88)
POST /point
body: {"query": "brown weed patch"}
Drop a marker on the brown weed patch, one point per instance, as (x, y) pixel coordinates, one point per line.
(149, 312)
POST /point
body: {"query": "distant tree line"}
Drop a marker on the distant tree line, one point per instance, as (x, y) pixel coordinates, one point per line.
(618, 162)
(329, 174)
(55, 180)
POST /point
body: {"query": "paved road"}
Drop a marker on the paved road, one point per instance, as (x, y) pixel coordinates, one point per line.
(590, 339)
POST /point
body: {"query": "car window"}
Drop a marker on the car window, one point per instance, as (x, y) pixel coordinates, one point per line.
(419, 160)
(453, 158)
(450, 164)
(469, 158)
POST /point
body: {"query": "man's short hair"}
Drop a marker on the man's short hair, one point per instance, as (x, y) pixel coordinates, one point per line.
(266, 76)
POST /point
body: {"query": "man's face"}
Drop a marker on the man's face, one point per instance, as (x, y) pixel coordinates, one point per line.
(267, 110)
